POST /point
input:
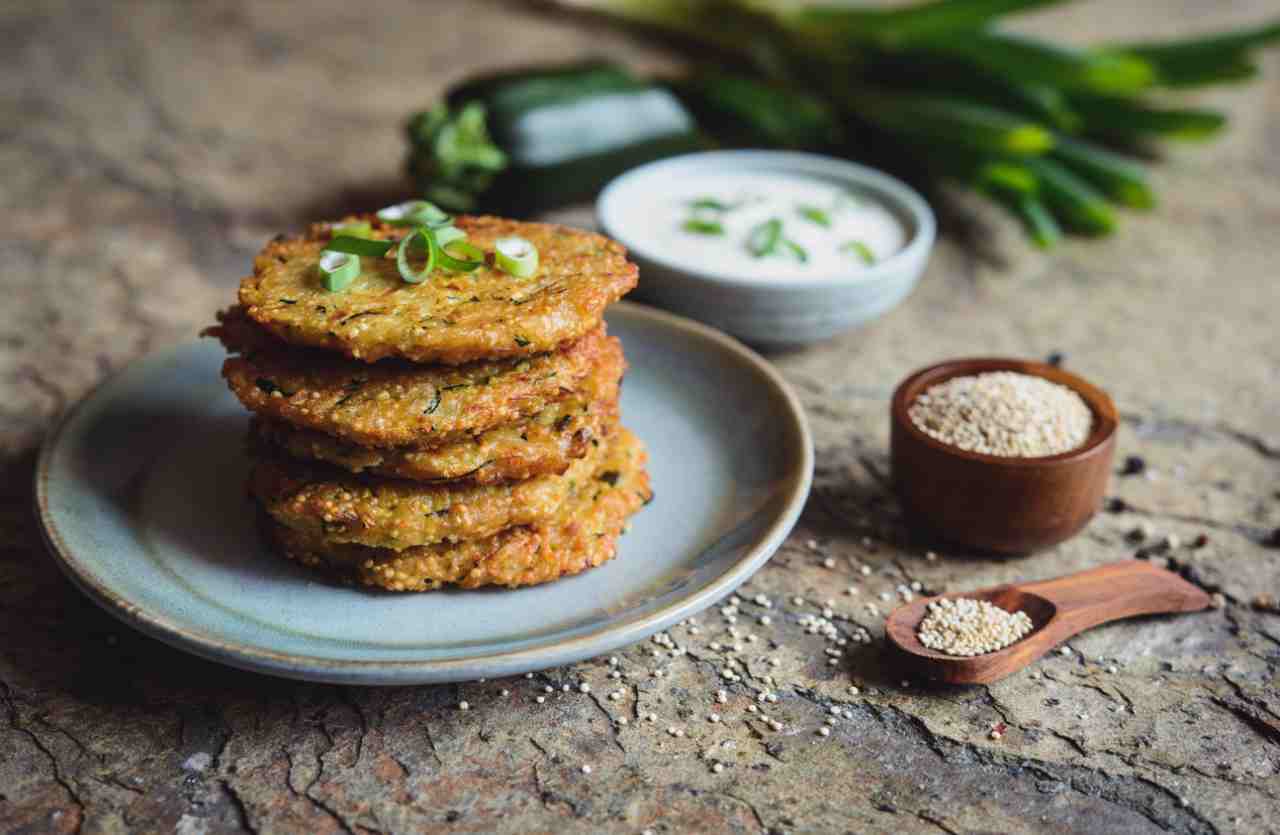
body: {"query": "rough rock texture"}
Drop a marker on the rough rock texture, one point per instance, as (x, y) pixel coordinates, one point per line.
(147, 150)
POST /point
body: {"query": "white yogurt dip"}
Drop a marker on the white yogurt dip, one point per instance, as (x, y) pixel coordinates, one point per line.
(765, 224)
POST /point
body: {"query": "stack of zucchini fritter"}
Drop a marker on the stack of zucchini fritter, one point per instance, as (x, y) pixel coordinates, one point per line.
(461, 430)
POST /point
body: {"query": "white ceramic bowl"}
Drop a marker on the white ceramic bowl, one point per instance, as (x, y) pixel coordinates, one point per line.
(785, 312)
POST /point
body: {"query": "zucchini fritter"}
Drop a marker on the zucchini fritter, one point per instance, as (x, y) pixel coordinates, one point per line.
(548, 442)
(397, 403)
(451, 318)
(397, 514)
(581, 536)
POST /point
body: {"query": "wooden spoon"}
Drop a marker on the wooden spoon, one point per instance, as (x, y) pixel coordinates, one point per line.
(1058, 608)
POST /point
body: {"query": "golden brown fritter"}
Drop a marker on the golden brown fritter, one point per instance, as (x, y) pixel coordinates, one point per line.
(395, 513)
(452, 317)
(397, 403)
(582, 536)
(546, 443)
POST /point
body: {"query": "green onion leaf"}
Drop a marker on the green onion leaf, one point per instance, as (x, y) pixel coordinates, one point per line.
(765, 238)
(814, 215)
(1077, 204)
(1120, 178)
(414, 213)
(338, 270)
(407, 271)
(1120, 117)
(516, 256)
(861, 250)
(940, 120)
(703, 227)
(360, 229)
(359, 246)
(472, 256)
(1041, 226)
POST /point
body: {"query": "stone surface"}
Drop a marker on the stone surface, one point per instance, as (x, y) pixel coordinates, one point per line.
(149, 148)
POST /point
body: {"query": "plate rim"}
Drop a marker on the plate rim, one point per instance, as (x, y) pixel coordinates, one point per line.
(301, 666)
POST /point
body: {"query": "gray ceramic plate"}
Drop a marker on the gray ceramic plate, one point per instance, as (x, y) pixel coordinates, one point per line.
(141, 493)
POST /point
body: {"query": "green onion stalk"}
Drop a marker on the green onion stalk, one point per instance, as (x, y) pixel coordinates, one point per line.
(1055, 134)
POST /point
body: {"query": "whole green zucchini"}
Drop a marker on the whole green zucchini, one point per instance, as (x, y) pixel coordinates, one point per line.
(523, 141)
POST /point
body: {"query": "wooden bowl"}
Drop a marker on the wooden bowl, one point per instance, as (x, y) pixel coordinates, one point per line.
(995, 503)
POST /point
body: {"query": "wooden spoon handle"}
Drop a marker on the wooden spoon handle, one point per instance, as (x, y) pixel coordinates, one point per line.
(1114, 591)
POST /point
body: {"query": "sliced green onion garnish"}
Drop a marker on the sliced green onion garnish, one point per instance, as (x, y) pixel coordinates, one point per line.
(814, 215)
(402, 256)
(361, 229)
(414, 213)
(861, 250)
(448, 234)
(703, 227)
(338, 270)
(710, 204)
(516, 256)
(359, 246)
(472, 255)
(796, 250)
(765, 238)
